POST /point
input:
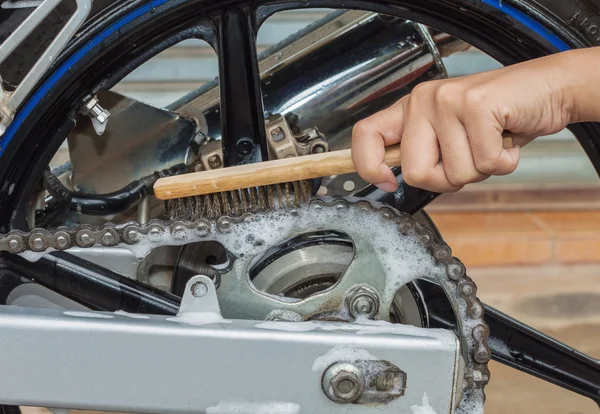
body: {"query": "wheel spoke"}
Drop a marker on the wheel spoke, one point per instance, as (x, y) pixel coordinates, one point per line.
(242, 119)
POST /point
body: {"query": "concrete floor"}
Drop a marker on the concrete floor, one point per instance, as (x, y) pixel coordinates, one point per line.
(563, 302)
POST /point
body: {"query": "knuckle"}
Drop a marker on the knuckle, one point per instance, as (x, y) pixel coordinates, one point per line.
(475, 97)
(461, 177)
(447, 93)
(486, 164)
(422, 91)
(361, 128)
(491, 165)
(416, 177)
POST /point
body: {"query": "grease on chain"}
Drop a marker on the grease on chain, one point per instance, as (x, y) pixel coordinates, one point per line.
(475, 333)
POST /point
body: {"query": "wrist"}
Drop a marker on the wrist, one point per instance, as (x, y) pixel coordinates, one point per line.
(579, 82)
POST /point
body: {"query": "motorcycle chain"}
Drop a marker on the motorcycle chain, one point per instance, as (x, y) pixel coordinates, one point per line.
(473, 328)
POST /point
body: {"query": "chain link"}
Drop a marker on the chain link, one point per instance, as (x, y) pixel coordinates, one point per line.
(457, 284)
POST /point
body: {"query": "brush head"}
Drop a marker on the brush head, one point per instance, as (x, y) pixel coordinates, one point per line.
(238, 202)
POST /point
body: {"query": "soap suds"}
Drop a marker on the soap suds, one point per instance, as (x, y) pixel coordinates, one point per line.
(199, 318)
(288, 326)
(131, 315)
(342, 353)
(254, 408)
(472, 402)
(423, 409)
(88, 314)
(361, 326)
(499, 345)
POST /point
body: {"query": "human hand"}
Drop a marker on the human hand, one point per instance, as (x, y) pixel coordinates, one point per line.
(450, 131)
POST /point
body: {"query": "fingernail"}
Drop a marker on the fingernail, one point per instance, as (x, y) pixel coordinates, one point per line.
(387, 186)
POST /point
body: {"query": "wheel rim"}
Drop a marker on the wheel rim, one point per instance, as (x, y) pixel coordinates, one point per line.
(526, 42)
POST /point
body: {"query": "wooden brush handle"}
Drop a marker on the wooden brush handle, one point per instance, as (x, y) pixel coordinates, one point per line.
(267, 173)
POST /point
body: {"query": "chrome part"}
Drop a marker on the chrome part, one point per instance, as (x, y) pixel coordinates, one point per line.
(343, 382)
(10, 101)
(335, 94)
(97, 114)
(144, 210)
(84, 351)
(366, 62)
(138, 141)
(363, 302)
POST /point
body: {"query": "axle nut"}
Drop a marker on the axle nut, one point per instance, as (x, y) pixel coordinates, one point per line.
(363, 301)
(343, 382)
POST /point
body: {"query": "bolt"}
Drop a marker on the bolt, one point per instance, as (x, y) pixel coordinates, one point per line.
(245, 145)
(108, 238)
(343, 382)
(277, 134)
(214, 161)
(199, 289)
(318, 149)
(61, 242)
(363, 301)
(38, 243)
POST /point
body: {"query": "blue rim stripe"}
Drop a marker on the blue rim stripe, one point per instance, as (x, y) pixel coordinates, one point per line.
(64, 68)
(535, 26)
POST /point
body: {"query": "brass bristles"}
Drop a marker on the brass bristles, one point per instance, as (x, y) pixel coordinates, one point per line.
(235, 203)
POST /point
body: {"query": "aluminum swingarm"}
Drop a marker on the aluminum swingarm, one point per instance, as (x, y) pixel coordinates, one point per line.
(105, 345)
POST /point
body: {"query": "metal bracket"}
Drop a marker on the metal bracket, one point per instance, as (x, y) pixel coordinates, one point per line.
(10, 101)
(200, 296)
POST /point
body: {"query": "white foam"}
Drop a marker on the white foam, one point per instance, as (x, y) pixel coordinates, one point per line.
(199, 318)
(288, 326)
(131, 315)
(423, 409)
(499, 345)
(254, 408)
(472, 405)
(342, 353)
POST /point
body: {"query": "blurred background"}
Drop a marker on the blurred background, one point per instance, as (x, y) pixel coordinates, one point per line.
(531, 240)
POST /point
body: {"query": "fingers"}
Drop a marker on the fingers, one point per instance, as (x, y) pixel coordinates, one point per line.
(485, 138)
(420, 152)
(369, 139)
(450, 132)
(456, 155)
